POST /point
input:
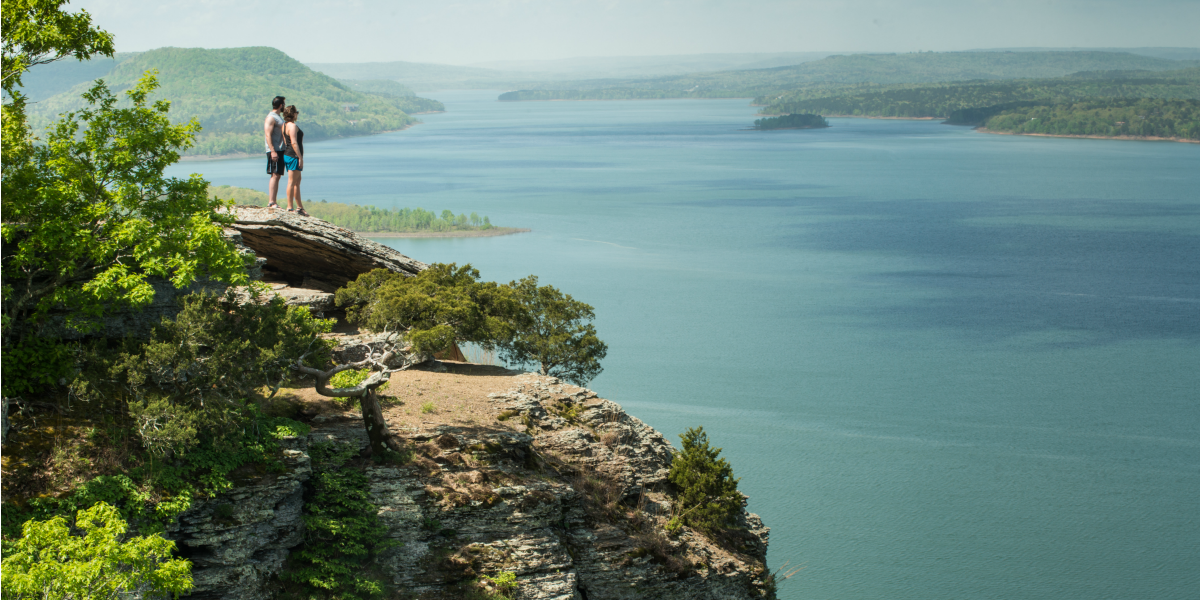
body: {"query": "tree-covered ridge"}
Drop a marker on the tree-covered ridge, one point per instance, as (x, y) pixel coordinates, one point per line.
(230, 90)
(879, 69)
(369, 219)
(797, 121)
(940, 100)
(1148, 117)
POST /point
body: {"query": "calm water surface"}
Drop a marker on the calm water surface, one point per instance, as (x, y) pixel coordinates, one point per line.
(946, 365)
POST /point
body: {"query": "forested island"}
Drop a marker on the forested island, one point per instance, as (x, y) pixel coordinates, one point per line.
(228, 92)
(797, 121)
(398, 222)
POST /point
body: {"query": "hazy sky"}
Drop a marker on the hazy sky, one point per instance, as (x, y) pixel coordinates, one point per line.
(468, 31)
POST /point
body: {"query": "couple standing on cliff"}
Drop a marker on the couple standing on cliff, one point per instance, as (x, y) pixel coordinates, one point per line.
(285, 151)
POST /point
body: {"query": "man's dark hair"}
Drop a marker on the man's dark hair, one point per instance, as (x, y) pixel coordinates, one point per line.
(277, 102)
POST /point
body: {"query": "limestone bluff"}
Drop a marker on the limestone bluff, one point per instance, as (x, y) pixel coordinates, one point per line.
(562, 488)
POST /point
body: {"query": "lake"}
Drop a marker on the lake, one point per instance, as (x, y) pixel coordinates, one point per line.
(945, 364)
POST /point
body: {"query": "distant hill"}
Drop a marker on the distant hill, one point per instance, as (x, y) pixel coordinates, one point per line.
(423, 76)
(940, 100)
(1156, 52)
(838, 70)
(534, 73)
(230, 91)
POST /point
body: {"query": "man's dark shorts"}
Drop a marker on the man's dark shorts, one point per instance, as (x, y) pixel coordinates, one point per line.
(275, 167)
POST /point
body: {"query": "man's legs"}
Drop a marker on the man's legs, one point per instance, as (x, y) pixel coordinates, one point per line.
(273, 187)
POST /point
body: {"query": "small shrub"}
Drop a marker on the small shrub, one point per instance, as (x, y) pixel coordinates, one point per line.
(609, 438)
(426, 408)
(708, 497)
(500, 587)
(508, 414)
(342, 530)
(351, 378)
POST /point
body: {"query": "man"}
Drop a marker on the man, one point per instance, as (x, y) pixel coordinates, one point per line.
(273, 132)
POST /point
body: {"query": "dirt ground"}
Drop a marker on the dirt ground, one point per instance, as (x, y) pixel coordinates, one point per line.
(422, 399)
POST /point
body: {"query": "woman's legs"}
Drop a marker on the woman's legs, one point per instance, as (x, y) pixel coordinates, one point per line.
(293, 190)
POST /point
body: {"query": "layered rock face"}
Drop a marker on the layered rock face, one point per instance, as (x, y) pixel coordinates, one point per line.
(571, 499)
(572, 503)
(238, 541)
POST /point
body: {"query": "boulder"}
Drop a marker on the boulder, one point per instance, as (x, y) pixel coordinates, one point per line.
(311, 253)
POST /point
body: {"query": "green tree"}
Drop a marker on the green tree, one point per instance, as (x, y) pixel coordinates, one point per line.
(552, 331)
(48, 562)
(425, 313)
(90, 218)
(191, 381)
(38, 32)
(708, 497)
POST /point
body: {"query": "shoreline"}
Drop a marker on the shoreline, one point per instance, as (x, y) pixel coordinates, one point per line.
(865, 117)
(625, 99)
(1128, 138)
(495, 231)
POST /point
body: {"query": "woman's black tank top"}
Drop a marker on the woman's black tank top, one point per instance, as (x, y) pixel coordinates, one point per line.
(295, 152)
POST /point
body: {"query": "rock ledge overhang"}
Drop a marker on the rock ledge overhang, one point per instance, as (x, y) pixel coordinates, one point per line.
(306, 249)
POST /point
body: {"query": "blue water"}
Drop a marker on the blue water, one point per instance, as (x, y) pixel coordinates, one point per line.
(945, 364)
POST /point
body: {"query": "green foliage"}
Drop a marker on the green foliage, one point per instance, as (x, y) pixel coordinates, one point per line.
(186, 394)
(1143, 118)
(37, 32)
(708, 497)
(802, 121)
(366, 219)
(427, 408)
(500, 587)
(228, 91)
(443, 304)
(89, 217)
(34, 363)
(342, 530)
(48, 562)
(351, 378)
(192, 377)
(552, 330)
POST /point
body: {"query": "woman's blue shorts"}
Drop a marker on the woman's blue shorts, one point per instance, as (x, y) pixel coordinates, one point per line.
(292, 163)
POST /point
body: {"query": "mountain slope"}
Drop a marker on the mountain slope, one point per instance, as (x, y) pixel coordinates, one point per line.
(230, 92)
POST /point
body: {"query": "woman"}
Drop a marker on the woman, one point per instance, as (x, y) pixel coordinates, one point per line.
(293, 158)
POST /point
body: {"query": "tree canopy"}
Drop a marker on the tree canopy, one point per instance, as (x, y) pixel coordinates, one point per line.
(553, 331)
(51, 563)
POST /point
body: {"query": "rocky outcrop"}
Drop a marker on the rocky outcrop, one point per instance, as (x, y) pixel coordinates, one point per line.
(311, 253)
(238, 540)
(572, 503)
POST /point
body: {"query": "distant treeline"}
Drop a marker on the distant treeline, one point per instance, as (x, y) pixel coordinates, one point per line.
(840, 72)
(800, 121)
(1108, 118)
(940, 100)
(617, 94)
(368, 219)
